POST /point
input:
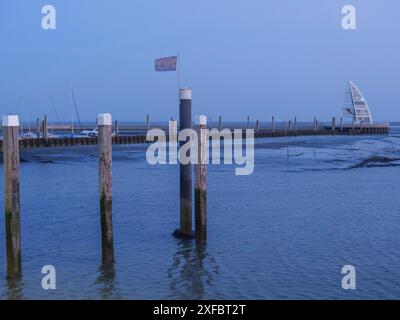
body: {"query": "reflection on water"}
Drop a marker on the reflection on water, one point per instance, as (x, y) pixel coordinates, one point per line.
(14, 289)
(106, 283)
(193, 269)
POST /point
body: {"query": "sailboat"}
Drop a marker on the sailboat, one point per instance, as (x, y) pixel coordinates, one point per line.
(51, 134)
(29, 134)
(74, 110)
(356, 105)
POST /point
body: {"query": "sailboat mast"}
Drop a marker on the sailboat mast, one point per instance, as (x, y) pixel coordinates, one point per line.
(53, 106)
(72, 113)
(76, 109)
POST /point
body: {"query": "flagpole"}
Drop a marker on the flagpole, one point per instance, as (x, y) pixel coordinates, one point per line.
(178, 58)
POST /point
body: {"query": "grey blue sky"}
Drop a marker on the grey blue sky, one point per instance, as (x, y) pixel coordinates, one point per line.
(255, 57)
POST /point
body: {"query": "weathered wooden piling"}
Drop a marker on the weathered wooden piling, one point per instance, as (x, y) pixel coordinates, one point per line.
(10, 124)
(341, 124)
(45, 130)
(315, 125)
(220, 123)
(333, 125)
(105, 185)
(116, 127)
(248, 122)
(148, 122)
(200, 181)
(273, 124)
(185, 170)
(38, 128)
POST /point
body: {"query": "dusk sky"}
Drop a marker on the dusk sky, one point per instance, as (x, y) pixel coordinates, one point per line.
(257, 57)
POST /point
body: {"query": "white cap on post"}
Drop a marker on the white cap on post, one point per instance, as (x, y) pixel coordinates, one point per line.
(10, 121)
(186, 94)
(104, 119)
(201, 120)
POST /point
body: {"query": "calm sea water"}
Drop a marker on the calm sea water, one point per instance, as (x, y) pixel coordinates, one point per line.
(312, 205)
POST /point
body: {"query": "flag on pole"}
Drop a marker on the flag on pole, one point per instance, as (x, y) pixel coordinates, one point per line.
(166, 64)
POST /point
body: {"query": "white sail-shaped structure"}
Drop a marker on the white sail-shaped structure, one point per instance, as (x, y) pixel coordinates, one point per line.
(356, 105)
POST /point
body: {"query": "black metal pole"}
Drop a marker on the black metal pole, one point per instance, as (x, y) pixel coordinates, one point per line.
(185, 170)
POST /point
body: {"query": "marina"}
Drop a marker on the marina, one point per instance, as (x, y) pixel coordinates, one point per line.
(356, 108)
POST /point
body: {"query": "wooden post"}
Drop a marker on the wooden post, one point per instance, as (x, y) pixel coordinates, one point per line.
(200, 181)
(315, 125)
(185, 170)
(45, 131)
(38, 128)
(248, 122)
(273, 124)
(341, 124)
(148, 123)
(116, 128)
(333, 125)
(10, 125)
(220, 123)
(105, 187)
(295, 126)
(290, 125)
(257, 125)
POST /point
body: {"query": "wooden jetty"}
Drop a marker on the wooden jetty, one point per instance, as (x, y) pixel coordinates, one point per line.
(137, 134)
